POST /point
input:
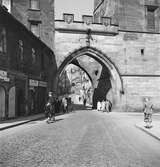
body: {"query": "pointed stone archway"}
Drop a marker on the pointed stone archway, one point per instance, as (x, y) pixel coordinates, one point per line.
(115, 79)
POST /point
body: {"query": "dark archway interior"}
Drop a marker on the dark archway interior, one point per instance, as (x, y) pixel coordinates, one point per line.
(104, 85)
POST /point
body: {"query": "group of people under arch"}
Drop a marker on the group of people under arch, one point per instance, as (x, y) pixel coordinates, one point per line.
(105, 105)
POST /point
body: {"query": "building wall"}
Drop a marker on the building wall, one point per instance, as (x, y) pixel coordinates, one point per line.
(140, 72)
(44, 16)
(26, 69)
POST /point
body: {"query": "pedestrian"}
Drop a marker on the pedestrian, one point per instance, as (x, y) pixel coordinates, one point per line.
(56, 105)
(59, 105)
(50, 108)
(148, 111)
(103, 105)
(64, 104)
(84, 101)
(69, 104)
(107, 105)
(47, 110)
(98, 106)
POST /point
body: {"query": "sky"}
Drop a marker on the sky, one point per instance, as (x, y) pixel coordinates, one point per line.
(77, 7)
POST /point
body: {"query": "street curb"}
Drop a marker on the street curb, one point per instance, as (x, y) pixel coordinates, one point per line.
(21, 123)
(149, 133)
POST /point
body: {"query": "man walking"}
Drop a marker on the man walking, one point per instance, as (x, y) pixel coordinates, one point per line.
(148, 110)
(50, 108)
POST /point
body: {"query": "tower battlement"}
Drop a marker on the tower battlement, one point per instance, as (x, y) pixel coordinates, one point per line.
(86, 19)
(69, 24)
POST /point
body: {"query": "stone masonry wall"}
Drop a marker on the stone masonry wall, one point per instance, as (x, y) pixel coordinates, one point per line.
(129, 14)
(135, 55)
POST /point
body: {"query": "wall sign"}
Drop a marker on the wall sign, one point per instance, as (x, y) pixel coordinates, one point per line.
(3, 76)
(36, 83)
(33, 82)
(42, 84)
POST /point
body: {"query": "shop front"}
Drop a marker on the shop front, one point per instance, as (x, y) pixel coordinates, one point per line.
(7, 95)
(37, 96)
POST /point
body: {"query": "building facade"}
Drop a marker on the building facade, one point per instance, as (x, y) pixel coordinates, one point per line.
(25, 65)
(36, 15)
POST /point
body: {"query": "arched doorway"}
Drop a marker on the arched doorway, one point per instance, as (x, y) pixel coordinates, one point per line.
(114, 77)
(12, 97)
(2, 103)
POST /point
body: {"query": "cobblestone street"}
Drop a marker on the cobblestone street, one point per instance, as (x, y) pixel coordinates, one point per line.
(80, 139)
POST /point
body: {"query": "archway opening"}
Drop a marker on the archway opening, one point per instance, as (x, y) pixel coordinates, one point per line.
(106, 81)
(76, 83)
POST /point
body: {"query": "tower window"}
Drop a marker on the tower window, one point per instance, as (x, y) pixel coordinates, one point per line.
(142, 52)
(96, 72)
(34, 4)
(151, 17)
(35, 28)
(7, 4)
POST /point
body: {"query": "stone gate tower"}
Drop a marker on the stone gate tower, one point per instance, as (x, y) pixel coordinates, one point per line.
(139, 15)
(126, 38)
(138, 56)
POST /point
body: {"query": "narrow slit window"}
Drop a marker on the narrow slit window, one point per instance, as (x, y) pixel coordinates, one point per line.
(142, 52)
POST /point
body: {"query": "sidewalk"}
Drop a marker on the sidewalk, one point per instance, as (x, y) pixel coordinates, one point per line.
(22, 120)
(154, 131)
(19, 121)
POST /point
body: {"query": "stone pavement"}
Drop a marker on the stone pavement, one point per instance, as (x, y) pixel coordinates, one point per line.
(85, 138)
(154, 131)
(19, 121)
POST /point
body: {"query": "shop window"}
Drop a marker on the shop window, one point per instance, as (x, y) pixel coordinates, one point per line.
(7, 4)
(34, 4)
(35, 28)
(151, 17)
(2, 40)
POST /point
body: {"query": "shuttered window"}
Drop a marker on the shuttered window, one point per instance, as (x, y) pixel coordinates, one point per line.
(151, 15)
(2, 40)
(150, 18)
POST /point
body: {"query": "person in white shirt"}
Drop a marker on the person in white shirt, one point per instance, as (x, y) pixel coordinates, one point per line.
(98, 106)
